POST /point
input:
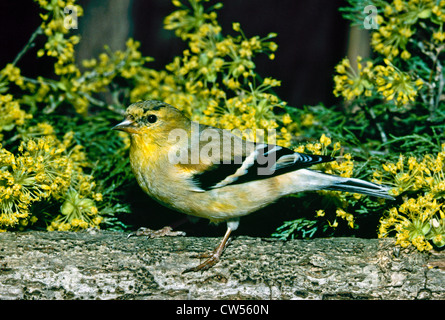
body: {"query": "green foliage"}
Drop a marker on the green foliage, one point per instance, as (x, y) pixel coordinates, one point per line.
(301, 226)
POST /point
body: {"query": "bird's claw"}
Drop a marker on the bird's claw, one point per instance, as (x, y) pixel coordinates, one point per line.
(212, 257)
(210, 262)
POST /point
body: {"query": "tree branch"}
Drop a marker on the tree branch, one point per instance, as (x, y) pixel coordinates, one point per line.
(107, 265)
(28, 45)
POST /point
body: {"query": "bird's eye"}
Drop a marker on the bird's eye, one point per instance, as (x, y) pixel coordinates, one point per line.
(151, 118)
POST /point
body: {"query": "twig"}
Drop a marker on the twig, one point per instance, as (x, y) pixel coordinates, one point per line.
(378, 124)
(440, 74)
(28, 45)
(434, 99)
(93, 74)
(34, 81)
(101, 103)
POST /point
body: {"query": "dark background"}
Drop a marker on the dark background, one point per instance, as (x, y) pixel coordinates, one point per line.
(312, 38)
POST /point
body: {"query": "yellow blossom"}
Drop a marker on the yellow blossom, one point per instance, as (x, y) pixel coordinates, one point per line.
(351, 84)
(395, 85)
(415, 222)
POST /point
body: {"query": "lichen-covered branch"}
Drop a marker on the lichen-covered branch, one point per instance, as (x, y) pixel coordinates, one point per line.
(107, 265)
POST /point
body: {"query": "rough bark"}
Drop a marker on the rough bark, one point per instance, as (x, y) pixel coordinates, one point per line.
(107, 265)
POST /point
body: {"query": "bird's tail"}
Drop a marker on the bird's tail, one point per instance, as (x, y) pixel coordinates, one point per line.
(324, 181)
(360, 186)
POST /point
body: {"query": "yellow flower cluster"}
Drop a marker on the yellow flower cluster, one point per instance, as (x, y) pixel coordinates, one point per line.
(416, 222)
(438, 14)
(12, 74)
(58, 19)
(44, 168)
(351, 84)
(405, 27)
(56, 26)
(77, 211)
(41, 129)
(398, 23)
(78, 87)
(396, 85)
(427, 175)
(392, 83)
(101, 72)
(11, 114)
(439, 10)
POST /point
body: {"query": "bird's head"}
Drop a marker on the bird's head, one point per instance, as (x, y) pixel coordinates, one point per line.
(152, 120)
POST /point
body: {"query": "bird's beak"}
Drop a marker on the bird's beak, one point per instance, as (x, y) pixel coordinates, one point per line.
(126, 125)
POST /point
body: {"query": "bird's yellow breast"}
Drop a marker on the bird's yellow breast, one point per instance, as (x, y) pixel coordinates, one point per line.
(171, 186)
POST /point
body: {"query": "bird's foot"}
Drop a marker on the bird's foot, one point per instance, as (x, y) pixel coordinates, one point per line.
(207, 264)
(164, 232)
(212, 257)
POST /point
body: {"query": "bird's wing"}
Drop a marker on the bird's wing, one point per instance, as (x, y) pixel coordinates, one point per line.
(244, 162)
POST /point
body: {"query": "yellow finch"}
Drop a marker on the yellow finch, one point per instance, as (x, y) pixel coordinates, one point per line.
(211, 173)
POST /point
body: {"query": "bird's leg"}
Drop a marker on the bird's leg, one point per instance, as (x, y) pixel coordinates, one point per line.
(166, 231)
(213, 258)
